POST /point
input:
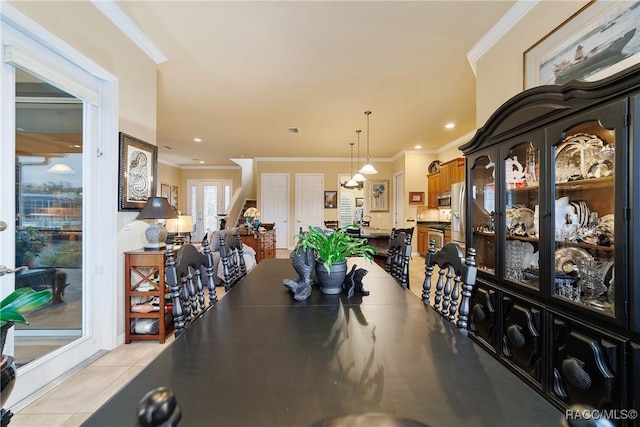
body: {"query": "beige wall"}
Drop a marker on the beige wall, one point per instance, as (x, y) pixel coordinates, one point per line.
(331, 170)
(500, 70)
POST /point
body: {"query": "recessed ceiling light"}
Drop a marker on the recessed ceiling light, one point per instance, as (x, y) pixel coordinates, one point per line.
(201, 161)
(450, 125)
(197, 139)
(417, 147)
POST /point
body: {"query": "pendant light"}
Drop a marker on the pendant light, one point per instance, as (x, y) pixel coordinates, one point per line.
(61, 167)
(368, 168)
(358, 177)
(351, 183)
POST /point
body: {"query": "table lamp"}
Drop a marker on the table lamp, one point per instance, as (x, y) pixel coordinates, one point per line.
(182, 224)
(156, 208)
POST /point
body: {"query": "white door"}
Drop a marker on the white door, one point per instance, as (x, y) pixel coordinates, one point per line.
(309, 200)
(77, 216)
(206, 200)
(398, 201)
(275, 205)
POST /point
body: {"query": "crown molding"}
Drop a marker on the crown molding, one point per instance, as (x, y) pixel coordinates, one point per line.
(130, 29)
(502, 27)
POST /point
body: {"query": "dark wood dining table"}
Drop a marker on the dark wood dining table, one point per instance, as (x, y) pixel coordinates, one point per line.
(260, 358)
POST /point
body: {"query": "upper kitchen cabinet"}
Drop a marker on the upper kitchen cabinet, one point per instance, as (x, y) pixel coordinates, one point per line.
(450, 173)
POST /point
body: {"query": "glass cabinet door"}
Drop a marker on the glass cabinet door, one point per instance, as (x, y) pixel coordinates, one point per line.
(583, 220)
(521, 199)
(483, 212)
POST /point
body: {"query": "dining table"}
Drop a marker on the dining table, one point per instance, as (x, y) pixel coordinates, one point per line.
(260, 358)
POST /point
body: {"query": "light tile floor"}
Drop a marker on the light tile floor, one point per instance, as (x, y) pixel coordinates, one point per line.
(78, 395)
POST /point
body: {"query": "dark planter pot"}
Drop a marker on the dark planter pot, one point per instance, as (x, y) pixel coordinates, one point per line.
(331, 284)
(7, 378)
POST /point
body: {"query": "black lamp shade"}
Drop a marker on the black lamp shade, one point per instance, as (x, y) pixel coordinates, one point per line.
(157, 208)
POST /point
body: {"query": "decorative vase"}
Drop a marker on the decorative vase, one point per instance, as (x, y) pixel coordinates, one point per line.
(331, 283)
(256, 223)
(7, 378)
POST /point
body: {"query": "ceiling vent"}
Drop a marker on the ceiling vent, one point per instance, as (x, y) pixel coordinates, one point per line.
(294, 130)
(168, 147)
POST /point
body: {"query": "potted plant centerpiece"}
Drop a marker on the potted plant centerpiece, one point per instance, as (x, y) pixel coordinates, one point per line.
(12, 310)
(332, 250)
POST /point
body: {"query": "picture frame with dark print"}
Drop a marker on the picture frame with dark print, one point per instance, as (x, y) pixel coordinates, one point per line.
(138, 170)
(416, 197)
(330, 199)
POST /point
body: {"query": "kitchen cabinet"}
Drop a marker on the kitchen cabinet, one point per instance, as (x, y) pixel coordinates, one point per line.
(450, 173)
(433, 186)
(147, 314)
(554, 201)
(423, 240)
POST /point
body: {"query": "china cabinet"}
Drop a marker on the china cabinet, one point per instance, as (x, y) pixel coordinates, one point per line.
(552, 207)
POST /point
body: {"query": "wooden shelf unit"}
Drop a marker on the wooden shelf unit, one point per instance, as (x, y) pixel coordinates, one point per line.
(264, 243)
(146, 268)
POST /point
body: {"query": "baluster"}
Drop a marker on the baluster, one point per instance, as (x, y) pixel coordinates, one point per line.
(209, 272)
(172, 280)
(455, 293)
(426, 285)
(447, 291)
(469, 281)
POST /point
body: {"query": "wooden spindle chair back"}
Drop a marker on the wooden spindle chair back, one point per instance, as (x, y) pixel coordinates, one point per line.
(454, 284)
(188, 272)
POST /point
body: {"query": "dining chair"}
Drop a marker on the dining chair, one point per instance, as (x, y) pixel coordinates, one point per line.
(382, 253)
(186, 275)
(232, 257)
(456, 278)
(331, 224)
(398, 256)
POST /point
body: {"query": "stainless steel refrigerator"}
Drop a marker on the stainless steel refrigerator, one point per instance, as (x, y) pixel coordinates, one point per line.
(458, 213)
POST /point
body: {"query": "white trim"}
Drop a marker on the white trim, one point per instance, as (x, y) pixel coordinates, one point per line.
(125, 24)
(314, 159)
(502, 27)
(457, 142)
(211, 167)
(29, 46)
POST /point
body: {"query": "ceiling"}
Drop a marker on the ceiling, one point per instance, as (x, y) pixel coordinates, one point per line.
(239, 74)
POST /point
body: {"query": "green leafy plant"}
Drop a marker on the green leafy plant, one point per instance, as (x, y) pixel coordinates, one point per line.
(29, 242)
(335, 246)
(19, 302)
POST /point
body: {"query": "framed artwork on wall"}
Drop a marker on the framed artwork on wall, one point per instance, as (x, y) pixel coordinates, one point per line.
(165, 191)
(330, 199)
(416, 197)
(378, 195)
(173, 196)
(599, 40)
(138, 170)
(359, 202)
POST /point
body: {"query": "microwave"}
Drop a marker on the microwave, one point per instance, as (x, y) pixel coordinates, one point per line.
(444, 200)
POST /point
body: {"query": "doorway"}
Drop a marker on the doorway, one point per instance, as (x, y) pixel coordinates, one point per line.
(207, 200)
(88, 110)
(275, 205)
